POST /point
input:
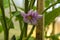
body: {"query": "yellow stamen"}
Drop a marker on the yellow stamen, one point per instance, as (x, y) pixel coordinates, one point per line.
(29, 17)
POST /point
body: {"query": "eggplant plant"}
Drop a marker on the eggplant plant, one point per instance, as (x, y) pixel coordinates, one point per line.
(30, 14)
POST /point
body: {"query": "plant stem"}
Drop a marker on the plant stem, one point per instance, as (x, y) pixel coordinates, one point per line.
(20, 22)
(10, 12)
(21, 35)
(25, 24)
(6, 32)
(25, 30)
(9, 7)
(26, 6)
(30, 7)
(49, 7)
(6, 35)
(31, 4)
(30, 32)
(14, 5)
(40, 27)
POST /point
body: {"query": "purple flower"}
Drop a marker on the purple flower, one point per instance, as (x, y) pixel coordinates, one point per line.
(31, 17)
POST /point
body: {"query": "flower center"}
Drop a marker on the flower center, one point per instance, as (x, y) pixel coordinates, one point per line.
(29, 17)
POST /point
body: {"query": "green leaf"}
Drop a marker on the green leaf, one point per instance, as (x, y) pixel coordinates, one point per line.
(53, 37)
(0, 12)
(32, 38)
(47, 3)
(32, 2)
(58, 1)
(0, 2)
(17, 15)
(19, 18)
(1, 29)
(34, 7)
(49, 17)
(9, 22)
(6, 4)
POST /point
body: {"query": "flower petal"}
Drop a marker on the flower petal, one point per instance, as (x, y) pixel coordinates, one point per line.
(26, 20)
(35, 14)
(34, 21)
(39, 16)
(30, 12)
(35, 17)
(23, 14)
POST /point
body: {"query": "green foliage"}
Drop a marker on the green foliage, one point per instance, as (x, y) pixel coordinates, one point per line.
(58, 1)
(0, 11)
(17, 15)
(47, 2)
(0, 3)
(53, 37)
(9, 22)
(1, 29)
(32, 2)
(6, 4)
(34, 7)
(50, 16)
(19, 18)
(31, 38)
